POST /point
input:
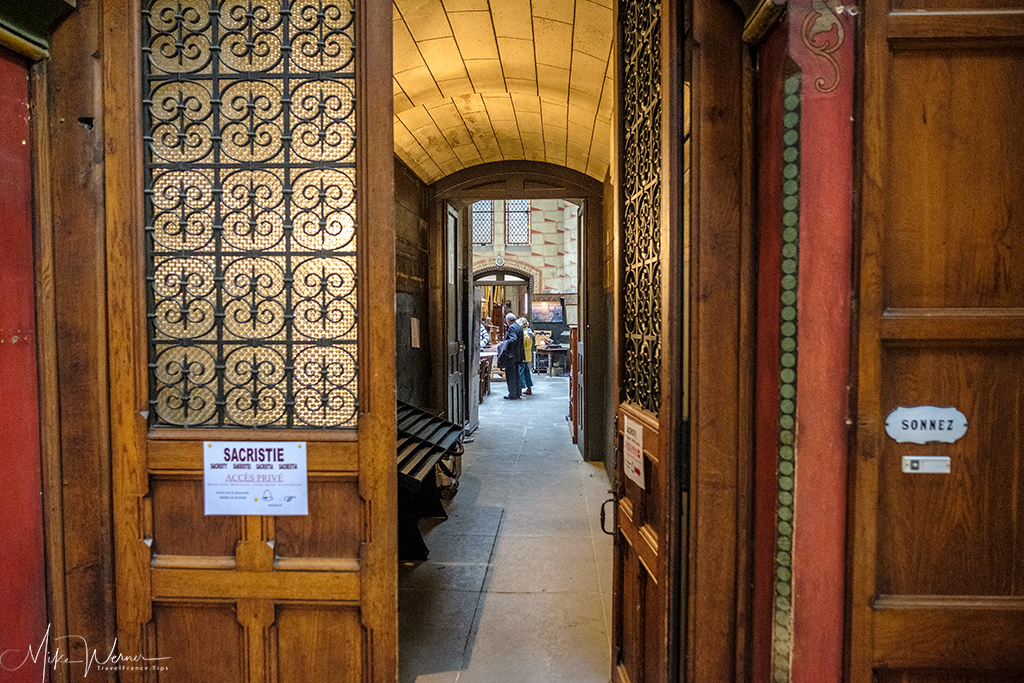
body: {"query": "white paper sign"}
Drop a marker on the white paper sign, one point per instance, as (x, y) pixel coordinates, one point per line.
(925, 424)
(633, 451)
(255, 478)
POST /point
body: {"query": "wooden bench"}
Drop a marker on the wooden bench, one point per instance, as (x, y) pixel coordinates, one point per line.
(423, 439)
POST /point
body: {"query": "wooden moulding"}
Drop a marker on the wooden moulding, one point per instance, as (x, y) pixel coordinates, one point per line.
(761, 20)
(277, 586)
(125, 318)
(378, 580)
(24, 47)
(946, 26)
(46, 335)
(326, 456)
(721, 339)
(949, 324)
(924, 632)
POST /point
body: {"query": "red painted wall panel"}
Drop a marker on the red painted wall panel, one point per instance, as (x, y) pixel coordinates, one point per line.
(22, 581)
(820, 45)
(821, 42)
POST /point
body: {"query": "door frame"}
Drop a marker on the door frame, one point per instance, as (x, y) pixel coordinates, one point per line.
(539, 180)
(713, 487)
(718, 555)
(68, 186)
(448, 279)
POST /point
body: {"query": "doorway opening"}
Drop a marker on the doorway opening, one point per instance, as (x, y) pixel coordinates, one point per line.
(519, 575)
(500, 290)
(505, 122)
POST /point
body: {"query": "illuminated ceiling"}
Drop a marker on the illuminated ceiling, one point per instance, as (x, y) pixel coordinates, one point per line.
(478, 81)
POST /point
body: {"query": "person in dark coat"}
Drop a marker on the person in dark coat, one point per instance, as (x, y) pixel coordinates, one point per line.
(514, 355)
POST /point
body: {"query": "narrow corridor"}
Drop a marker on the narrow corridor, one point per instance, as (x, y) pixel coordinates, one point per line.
(517, 588)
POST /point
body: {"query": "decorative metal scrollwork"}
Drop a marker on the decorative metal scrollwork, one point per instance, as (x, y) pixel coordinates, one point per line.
(249, 125)
(641, 216)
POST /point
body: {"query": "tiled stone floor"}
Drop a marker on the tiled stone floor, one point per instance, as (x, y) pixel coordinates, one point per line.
(517, 588)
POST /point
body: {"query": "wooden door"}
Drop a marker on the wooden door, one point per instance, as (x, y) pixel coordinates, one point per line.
(575, 386)
(650, 307)
(249, 182)
(473, 359)
(937, 571)
(455, 306)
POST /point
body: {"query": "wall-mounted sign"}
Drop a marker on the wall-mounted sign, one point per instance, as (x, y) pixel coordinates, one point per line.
(255, 478)
(633, 451)
(925, 424)
(926, 464)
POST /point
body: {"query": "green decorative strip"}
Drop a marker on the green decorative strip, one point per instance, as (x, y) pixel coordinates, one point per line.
(782, 623)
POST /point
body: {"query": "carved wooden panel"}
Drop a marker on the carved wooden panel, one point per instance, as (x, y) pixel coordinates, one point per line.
(315, 644)
(332, 529)
(954, 534)
(198, 642)
(179, 525)
(952, 242)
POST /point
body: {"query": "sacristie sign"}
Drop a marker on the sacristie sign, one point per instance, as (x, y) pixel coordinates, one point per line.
(633, 450)
(255, 478)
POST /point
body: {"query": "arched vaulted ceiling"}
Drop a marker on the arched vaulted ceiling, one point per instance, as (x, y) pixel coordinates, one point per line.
(478, 81)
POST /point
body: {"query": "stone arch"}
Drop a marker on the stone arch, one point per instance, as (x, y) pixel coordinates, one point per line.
(530, 274)
(518, 270)
(517, 180)
(541, 180)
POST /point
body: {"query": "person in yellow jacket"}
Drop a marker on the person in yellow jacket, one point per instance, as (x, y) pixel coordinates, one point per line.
(526, 367)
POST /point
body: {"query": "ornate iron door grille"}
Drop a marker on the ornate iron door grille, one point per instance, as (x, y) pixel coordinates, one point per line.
(249, 125)
(641, 178)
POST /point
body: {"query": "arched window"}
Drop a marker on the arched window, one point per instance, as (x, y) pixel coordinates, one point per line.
(483, 222)
(517, 221)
